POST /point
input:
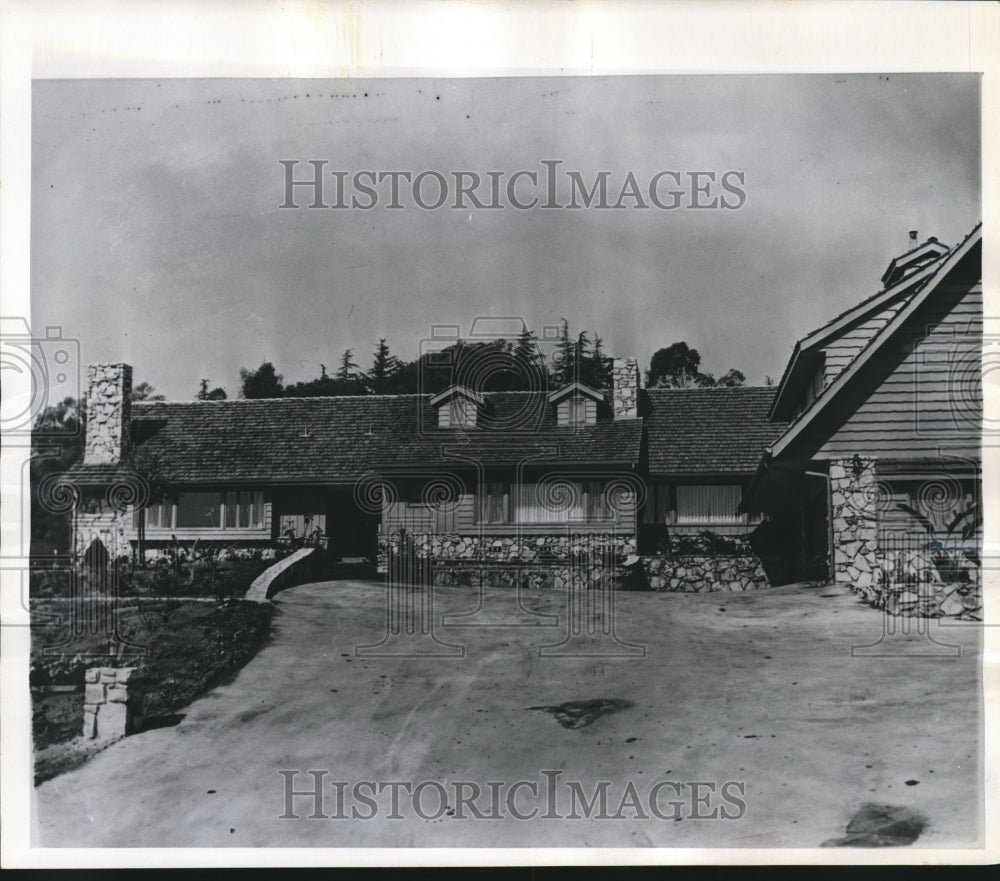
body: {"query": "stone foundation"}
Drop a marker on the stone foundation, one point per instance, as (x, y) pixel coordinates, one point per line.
(111, 704)
(457, 573)
(543, 549)
(696, 574)
(587, 560)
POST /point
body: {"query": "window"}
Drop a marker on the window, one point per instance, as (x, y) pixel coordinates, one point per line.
(709, 504)
(576, 410)
(242, 509)
(202, 510)
(561, 501)
(554, 501)
(159, 515)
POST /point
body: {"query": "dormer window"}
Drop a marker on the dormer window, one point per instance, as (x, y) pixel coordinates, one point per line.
(457, 407)
(576, 404)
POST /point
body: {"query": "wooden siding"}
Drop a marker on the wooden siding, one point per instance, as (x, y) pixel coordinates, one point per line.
(302, 524)
(457, 411)
(839, 352)
(917, 393)
(563, 410)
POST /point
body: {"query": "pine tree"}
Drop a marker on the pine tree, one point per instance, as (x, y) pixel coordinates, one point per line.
(384, 367)
(346, 373)
(564, 361)
(599, 366)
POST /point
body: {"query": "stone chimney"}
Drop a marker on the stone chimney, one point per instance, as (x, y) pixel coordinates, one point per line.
(625, 388)
(109, 412)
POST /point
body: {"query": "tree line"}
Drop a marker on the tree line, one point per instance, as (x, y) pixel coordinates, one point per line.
(496, 365)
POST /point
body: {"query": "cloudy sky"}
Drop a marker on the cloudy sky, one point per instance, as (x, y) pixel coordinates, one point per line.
(157, 238)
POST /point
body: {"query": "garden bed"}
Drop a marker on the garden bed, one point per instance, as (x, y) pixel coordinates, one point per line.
(182, 649)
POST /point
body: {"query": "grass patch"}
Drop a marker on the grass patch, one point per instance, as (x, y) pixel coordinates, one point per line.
(182, 649)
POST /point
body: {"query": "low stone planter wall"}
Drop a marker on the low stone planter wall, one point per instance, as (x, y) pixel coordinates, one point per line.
(927, 600)
(541, 576)
(525, 548)
(701, 574)
(909, 582)
(297, 568)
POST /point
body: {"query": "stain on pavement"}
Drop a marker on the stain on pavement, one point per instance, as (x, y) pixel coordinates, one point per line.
(580, 714)
(881, 826)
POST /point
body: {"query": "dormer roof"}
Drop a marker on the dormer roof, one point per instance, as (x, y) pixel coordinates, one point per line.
(914, 259)
(575, 388)
(457, 390)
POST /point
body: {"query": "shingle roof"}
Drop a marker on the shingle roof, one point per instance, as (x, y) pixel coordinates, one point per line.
(714, 430)
(338, 439)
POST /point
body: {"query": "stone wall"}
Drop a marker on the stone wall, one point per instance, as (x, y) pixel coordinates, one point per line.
(625, 388)
(109, 410)
(524, 548)
(112, 704)
(854, 496)
(701, 574)
(588, 560)
(102, 522)
(581, 574)
(911, 583)
(583, 560)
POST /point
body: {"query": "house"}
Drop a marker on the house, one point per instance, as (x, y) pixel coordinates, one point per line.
(867, 450)
(881, 452)
(470, 478)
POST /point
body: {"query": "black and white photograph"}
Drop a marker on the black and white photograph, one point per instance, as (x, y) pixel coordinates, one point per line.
(541, 460)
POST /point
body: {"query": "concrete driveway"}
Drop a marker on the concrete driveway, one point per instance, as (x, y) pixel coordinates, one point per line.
(748, 723)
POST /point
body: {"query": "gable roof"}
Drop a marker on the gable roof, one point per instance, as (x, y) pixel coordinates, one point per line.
(708, 430)
(339, 439)
(457, 390)
(807, 353)
(939, 270)
(575, 388)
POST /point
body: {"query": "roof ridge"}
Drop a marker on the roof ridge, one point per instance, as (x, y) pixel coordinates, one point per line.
(885, 290)
(289, 398)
